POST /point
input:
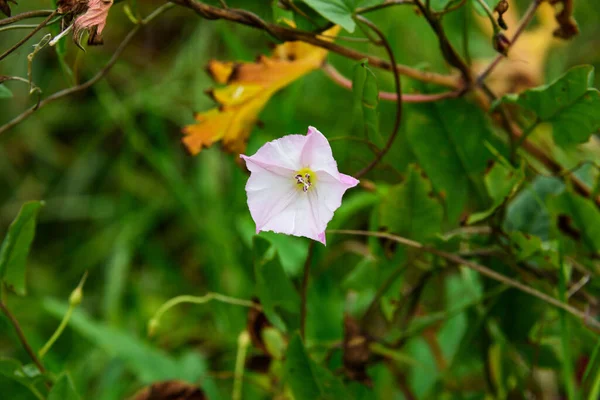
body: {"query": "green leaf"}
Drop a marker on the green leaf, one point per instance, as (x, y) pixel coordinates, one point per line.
(337, 11)
(16, 245)
(569, 103)
(448, 139)
(299, 372)
(274, 288)
(525, 245)
(502, 182)
(581, 217)
(308, 380)
(63, 389)
(5, 93)
(366, 101)
(13, 370)
(410, 209)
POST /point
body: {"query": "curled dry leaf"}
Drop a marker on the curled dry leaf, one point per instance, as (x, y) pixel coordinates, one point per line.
(170, 390)
(5, 7)
(249, 86)
(85, 16)
(92, 21)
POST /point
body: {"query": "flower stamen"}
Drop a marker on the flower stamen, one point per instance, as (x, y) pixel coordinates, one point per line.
(304, 181)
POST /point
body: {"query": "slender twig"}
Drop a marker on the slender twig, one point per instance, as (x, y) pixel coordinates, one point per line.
(240, 362)
(341, 80)
(398, 89)
(482, 270)
(289, 34)
(99, 75)
(22, 337)
(26, 15)
(304, 289)
(207, 298)
(520, 29)
(28, 36)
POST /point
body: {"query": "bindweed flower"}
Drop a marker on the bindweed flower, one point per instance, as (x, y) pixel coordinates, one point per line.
(295, 186)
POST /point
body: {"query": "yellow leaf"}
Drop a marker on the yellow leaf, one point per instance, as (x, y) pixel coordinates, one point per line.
(249, 88)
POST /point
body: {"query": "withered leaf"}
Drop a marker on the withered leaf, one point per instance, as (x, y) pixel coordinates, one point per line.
(5, 7)
(257, 321)
(249, 88)
(170, 390)
(356, 351)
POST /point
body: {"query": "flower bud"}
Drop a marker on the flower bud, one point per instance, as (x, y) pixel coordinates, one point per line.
(76, 297)
(153, 325)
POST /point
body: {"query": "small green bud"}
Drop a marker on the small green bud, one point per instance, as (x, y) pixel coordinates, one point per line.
(153, 325)
(76, 297)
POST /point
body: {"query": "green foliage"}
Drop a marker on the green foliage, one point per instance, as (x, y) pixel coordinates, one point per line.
(448, 138)
(273, 287)
(366, 101)
(578, 218)
(570, 104)
(5, 93)
(16, 245)
(63, 389)
(337, 11)
(410, 209)
(501, 181)
(149, 222)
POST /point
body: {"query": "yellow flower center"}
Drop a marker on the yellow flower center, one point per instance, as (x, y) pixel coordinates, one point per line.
(305, 179)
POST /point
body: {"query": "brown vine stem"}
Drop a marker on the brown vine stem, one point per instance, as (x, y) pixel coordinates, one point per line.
(29, 35)
(483, 270)
(99, 75)
(529, 14)
(288, 34)
(341, 80)
(25, 15)
(22, 337)
(397, 87)
(304, 289)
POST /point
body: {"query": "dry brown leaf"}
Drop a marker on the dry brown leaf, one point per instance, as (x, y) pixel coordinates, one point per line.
(5, 7)
(249, 88)
(170, 390)
(93, 21)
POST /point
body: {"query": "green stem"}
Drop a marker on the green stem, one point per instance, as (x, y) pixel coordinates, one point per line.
(240, 361)
(57, 333)
(155, 321)
(490, 15)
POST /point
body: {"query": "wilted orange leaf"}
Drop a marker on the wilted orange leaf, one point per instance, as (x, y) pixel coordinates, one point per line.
(249, 88)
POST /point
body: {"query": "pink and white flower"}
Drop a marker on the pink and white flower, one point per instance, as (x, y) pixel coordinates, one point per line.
(295, 186)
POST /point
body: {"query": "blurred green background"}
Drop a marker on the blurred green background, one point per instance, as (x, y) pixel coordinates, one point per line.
(128, 204)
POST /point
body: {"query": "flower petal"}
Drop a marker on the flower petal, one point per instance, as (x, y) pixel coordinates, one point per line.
(284, 152)
(270, 190)
(317, 154)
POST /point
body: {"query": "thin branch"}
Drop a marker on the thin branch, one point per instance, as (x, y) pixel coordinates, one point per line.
(28, 36)
(288, 34)
(529, 14)
(99, 75)
(304, 289)
(397, 87)
(341, 80)
(482, 270)
(22, 337)
(26, 15)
